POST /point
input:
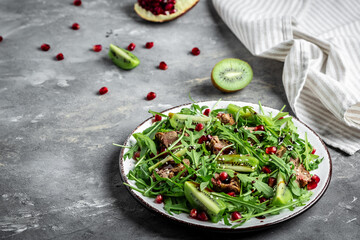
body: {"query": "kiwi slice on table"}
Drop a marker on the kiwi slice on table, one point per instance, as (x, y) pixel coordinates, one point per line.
(123, 58)
(231, 74)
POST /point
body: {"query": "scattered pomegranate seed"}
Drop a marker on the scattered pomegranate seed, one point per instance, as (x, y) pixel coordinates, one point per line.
(315, 178)
(262, 199)
(97, 48)
(202, 216)
(223, 176)
(199, 127)
(151, 96)
(60, 57)
(103, 90)
(195, 51)
(232, 194)
(131, 47)
(75, 26)
(207, 112)
(149, 45)
(313, 151)
(235, 216)
(163, 66)
(271, 150)
(1, 38)
(311, 185)
(136, 155)
(193, 213)
(259, 128)
(45, 47)
(157, 118)
(266, 169)
(202, 139)
(77, 2)
(159, 198)
(271, 181)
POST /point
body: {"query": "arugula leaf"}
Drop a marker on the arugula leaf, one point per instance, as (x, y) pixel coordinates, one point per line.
(264, 188)
(257, 183)
(145, 143)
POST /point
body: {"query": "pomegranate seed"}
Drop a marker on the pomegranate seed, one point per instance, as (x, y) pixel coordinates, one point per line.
(262, 199)
(1, 38)
(235, 216)
(261, 217)
(281, 118)
(159, 198)
(162, 149)
(45, 47)
(193, 213)
(157, 118)
(195, 51)
(315, 178)
(207, 112)
(77, 2)
(151, 96)
(97, 48)
(232, 194)
(131, 47)
(223, 176)
(313, 151)
(103, 90)
(218, 182)
(271, 150)
(60, 57)
(75, 26)
(136, 155)
(202, 216)
(259, 128)
(169, 6)
(163, 66)
(266, 169)
(199, 127)
(271, 181)
(311, 185)
(149, 45)
(202, 139)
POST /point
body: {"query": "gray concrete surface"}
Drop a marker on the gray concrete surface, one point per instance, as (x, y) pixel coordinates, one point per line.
(59, 176)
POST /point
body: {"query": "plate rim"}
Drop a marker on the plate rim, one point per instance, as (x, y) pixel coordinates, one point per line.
(224, 229)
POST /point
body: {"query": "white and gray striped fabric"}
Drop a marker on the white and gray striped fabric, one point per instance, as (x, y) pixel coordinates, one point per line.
(319, 43)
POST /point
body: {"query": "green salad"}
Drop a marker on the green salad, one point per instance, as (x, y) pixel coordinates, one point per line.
(228, 164)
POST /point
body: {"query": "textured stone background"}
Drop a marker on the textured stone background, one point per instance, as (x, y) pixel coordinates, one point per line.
(59, 175)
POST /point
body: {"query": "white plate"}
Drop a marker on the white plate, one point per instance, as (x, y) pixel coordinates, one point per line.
(324, 172)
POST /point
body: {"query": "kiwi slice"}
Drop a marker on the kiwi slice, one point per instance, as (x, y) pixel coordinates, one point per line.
(213, 207)
(231, 75)
(123, 58)
(239, 163)
(283, 194)
(177, 120)
(178, 153)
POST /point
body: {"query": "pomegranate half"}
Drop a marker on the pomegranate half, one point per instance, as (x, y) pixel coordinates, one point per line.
(163, 10)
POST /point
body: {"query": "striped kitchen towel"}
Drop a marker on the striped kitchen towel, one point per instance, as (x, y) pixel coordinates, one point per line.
(319, 43)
